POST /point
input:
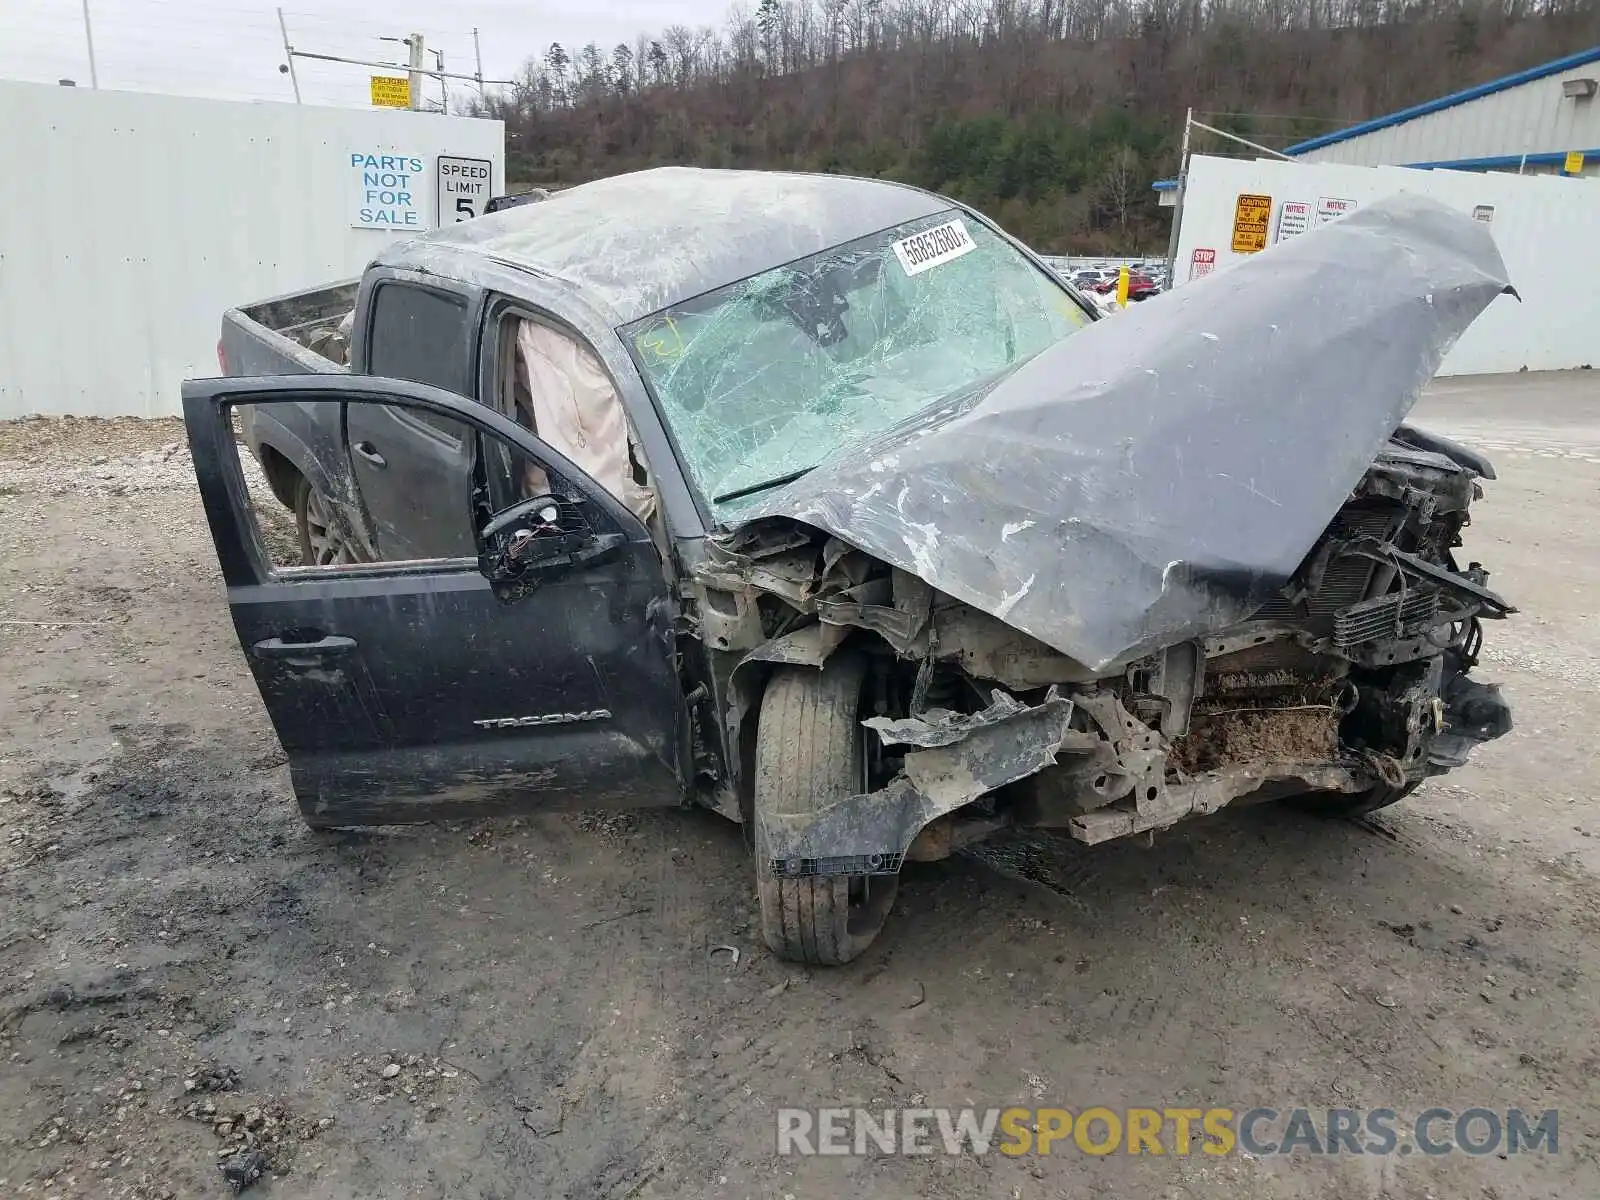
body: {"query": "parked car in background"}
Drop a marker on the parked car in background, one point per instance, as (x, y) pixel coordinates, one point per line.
(1140, 287)
(515, 200)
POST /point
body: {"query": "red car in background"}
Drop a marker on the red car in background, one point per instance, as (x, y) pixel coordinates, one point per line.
(1140, 287)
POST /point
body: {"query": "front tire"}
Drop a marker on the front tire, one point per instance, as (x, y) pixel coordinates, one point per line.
(810, 750)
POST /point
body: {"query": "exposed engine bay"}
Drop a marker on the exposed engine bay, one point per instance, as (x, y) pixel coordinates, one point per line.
(1185, 558)
(1353, 679)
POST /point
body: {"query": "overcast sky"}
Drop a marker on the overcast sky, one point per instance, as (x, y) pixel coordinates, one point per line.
(232, 48)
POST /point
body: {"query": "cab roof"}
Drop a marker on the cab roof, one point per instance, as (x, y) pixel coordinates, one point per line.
(644, 241)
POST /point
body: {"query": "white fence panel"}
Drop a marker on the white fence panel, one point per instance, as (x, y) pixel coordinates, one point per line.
(1547, 228)
(134, 220)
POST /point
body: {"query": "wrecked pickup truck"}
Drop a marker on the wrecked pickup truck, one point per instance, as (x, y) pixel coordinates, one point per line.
(821, 503)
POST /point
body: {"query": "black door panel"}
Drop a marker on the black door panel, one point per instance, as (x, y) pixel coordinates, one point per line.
(410, 691)
(455, 687)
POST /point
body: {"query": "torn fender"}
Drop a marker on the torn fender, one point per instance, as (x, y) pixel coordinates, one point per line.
(959, 757)
(1156, 478)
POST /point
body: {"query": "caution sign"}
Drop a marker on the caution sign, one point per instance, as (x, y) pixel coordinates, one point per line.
(1202, 262)
(1251, 217)
(391, 91)
(1574, 163)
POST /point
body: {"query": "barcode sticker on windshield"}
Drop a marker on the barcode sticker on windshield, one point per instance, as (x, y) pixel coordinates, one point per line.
(923, 251)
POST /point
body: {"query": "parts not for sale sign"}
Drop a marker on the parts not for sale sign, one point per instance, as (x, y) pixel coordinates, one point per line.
(386, 191)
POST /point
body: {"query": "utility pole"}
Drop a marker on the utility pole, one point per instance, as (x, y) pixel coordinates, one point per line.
(418, 64)
(1177, 201)
(444, 82)
(477, 50)
(88, 37)
(288, 55)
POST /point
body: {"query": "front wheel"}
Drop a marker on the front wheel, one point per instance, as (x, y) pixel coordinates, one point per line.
(809, 750)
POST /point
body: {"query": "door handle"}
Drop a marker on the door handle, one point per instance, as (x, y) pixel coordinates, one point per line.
(370, 452)
(332, 646)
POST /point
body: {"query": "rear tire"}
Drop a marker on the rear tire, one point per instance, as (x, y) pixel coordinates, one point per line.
(810, 750)
(321, 542)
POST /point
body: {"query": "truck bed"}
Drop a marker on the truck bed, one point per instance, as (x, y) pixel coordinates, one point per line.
(296, 334)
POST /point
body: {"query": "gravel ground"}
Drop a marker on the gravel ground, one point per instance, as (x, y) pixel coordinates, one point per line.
(195, 989)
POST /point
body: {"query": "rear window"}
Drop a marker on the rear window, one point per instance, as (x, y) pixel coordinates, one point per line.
(421, 335)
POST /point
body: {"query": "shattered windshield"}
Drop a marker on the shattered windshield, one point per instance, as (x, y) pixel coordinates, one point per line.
(763, 379)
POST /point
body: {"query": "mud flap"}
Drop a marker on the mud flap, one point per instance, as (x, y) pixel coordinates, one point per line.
(957, 758)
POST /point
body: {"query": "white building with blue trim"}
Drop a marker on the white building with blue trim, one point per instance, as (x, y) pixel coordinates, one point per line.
(1527, 122)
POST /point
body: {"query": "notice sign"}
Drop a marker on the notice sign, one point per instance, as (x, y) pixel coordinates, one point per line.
(391, 91)
(1294, 218)
(386, 191)
(1202, 262)
(464, 186)
(1483, 212)
(1574, 163)
(1330, 209)
(1251, 216)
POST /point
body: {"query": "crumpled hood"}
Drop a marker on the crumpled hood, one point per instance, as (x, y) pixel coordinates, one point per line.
(1157, 476)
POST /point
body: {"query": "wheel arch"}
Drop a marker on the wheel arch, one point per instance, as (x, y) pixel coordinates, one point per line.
(282, 474)
(748, 683)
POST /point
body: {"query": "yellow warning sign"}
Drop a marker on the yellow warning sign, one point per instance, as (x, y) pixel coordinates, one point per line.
(391, 91)
(1574, 162)
(1251, 216)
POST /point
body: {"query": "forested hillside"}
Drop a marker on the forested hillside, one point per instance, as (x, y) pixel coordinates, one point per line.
(1052, 115)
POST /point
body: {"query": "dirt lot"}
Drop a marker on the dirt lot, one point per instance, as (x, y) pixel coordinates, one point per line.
(531, 1007)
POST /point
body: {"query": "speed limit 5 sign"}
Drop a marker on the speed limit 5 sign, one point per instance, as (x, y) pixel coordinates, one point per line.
(465, 185)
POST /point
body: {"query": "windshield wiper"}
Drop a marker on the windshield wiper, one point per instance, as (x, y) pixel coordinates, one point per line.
(740, 493)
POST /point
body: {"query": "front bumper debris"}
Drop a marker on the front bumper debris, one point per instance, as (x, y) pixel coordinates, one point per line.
(955, 759)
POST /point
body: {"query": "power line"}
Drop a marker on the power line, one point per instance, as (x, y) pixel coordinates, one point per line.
(1247, 116)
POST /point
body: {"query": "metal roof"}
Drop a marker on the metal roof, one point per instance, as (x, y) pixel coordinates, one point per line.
(1495, 162)
(1501, 162)
(1455, 99)
(1451, 101)
(644, 241)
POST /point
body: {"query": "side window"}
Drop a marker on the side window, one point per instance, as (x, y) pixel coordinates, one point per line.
(414, 475)
(399, 492)
(421, 335)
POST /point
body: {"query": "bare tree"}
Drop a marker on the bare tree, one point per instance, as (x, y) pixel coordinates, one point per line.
(1120, 185)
